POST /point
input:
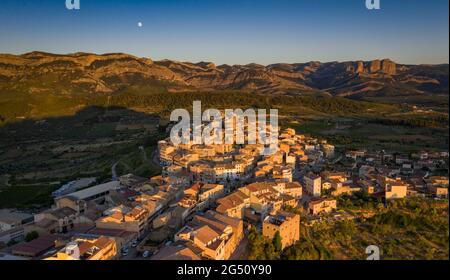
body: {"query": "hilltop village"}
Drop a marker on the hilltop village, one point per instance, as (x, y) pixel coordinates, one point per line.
(209, 197)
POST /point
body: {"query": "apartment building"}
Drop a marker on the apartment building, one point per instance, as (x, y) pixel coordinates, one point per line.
(261, 197)
(286, 224)
(81, 248)
(133, 220)
(234, 204)
(283, 173)
(151, 203)
(204, 151)
(200, 196)
(395, 188)
(347, 189)
(202, 171)
(293, 189)
(334, 176)
(210, 192)
(265, 200)
(166, 152)
(60, 220)
(123, 238)
(322, 206)
(10, 219)
(367, 186)
(313, 184)
(184, 158)
(213, 235)
(178, 251)
(438, 186)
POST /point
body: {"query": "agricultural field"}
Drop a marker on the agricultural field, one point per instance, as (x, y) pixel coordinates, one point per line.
(364, 134)
(37, 157)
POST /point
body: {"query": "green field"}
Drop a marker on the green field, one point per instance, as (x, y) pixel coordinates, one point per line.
(27, 196)
(364, 134)
(36, 154)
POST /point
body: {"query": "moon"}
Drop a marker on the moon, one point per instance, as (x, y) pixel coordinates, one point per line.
(140, 24)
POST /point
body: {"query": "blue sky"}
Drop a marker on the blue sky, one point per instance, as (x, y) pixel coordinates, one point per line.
(232, 31)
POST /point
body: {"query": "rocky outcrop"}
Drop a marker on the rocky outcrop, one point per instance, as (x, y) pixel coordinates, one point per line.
(374, 66)
(385, 66)
(360, 67)
(388, 67)
(207, 65)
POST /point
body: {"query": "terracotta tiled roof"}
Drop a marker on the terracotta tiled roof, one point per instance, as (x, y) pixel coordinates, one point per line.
(35, 247)
(293, 185)
(214, 224)
(231, 201)
(205, 234)
(62, 212)
(176, 252)
(259, 186)
(225, 219)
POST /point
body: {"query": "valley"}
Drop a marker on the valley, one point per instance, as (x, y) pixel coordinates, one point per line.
(64, 117)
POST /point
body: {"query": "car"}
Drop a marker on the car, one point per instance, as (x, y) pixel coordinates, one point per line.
(146, 254)
(125, 252)
(134, 244)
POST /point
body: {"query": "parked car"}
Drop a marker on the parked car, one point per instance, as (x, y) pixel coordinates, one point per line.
(134, 244)
(125, 252)
(146, 254)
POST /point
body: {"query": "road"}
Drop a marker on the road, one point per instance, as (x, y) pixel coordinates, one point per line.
(240, 251)
(337, 160)
(144, 154)
(155, 157)
(132, 255)
(114, 171)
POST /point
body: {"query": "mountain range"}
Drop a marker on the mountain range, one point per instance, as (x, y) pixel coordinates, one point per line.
(37, 72)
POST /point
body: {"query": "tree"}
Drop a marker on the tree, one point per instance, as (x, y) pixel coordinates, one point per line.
(262, 248)
(270, 251)
(32, 235)
(277, 242)
(11, 243)
(257, 245)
